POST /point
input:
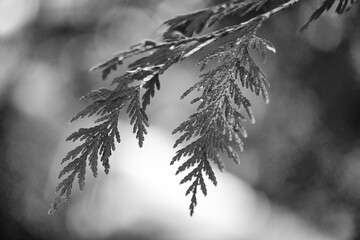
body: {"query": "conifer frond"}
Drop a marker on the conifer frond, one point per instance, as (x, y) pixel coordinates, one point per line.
(150, 90)
(118, 59)
(203, 165)
(217, 126)
(179, 42)
(342, 6)
(191, 23)
(98, 142)
(138, 117)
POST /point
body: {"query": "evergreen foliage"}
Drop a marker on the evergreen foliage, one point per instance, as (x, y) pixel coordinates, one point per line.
(342, 6)
(217, 126)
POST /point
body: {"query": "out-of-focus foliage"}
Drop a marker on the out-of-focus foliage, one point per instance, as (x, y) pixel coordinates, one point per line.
(342, 6)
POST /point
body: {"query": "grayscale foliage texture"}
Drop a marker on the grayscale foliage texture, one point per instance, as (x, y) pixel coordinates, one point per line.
(217, 126)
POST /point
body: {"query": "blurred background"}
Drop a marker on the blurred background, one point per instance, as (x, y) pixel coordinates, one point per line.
(300, 172)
